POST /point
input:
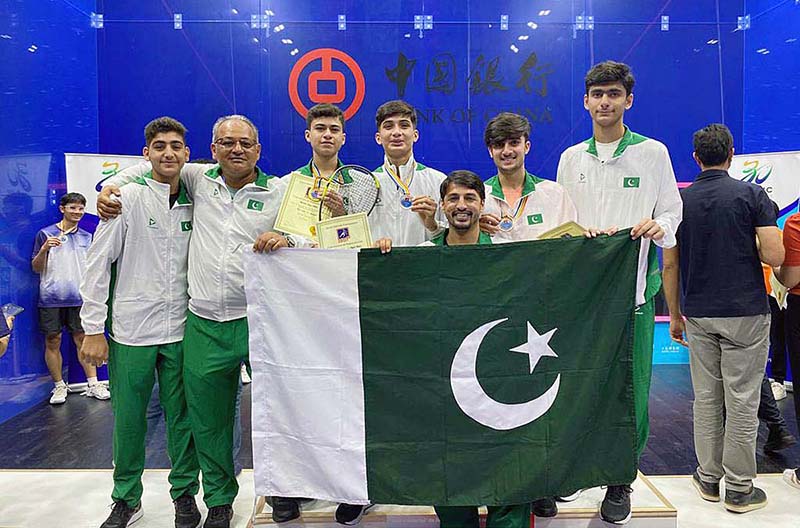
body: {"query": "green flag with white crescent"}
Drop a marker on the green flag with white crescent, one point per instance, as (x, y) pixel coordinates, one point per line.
(443, 375)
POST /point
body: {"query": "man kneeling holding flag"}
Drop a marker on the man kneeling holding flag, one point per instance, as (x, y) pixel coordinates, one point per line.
(463, 196)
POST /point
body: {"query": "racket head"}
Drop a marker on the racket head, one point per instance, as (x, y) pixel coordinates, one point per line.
(359, 188)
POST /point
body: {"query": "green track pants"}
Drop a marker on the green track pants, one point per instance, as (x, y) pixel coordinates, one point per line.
(131, 373)
(517, 516)
(644, 328)
(213, 353)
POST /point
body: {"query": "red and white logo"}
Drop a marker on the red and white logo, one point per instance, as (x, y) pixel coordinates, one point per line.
(328, 62)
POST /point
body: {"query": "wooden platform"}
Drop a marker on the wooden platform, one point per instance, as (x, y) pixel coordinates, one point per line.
(650, 510)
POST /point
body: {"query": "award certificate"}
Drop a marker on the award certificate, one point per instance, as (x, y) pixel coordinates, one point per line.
(348, 232)
(299, 212)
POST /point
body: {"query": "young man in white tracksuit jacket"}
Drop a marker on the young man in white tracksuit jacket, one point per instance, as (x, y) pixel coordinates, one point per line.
(137, 264)
(408, 211)
(620, 179)
(519, 205)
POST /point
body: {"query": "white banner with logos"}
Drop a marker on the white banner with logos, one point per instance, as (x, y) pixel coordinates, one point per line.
(778, 173)
(85, 173)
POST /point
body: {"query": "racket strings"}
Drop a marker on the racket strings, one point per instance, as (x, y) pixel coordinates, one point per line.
(358, 188)
(360, 195)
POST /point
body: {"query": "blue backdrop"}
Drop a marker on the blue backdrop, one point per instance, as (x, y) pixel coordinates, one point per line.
(72, 83)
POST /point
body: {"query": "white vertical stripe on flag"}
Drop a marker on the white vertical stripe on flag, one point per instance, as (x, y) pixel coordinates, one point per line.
(308, 394)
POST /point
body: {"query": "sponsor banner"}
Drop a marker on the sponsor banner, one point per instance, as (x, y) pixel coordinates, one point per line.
(86, 172)
(776, 172)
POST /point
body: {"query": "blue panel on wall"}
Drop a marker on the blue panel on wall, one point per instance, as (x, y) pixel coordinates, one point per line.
(670, 104)
(772, 83)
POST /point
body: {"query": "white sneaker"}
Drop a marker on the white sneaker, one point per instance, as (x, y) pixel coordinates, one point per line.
(245, 376)
(778, 390)
(570, 498)
(790, 477)
(59, 395)
(98, 391)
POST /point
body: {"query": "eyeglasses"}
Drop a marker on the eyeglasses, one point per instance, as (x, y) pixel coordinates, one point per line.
(230, 143)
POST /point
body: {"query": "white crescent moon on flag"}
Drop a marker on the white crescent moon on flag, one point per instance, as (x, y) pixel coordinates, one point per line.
(478, 405)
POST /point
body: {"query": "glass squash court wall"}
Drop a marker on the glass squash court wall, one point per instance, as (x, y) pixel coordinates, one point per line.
(86, 76)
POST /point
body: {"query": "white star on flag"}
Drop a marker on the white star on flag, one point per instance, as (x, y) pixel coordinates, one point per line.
(537, 346)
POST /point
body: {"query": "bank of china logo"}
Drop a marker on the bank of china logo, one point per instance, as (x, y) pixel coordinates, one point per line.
(630, 183)
(326, 81)
(255, 205)
(481, 407)
(755, 172)
(535, 219)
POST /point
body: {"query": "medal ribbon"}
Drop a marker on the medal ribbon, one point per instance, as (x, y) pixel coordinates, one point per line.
(316, 173)
(398, 181)
(317, 184)
(520, 209)
(66, 232)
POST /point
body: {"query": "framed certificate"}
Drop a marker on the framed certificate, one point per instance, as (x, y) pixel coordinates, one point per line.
(344, 232)
(299, 211)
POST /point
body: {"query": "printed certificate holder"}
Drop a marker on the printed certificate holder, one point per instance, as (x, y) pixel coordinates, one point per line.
(568, 230)
(344, 232)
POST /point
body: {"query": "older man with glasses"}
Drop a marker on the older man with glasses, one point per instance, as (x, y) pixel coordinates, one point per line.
(236, 205)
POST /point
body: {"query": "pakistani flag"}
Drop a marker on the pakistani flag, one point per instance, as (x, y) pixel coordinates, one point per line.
(491, 374)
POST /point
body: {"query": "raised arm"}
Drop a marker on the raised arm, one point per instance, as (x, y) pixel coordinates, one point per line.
(108, 207)
(41, 250)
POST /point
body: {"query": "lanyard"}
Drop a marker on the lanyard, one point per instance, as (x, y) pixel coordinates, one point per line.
(398, 181)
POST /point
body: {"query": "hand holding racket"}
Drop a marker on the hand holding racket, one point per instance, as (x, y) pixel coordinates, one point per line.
(353, 189)
(333, 201)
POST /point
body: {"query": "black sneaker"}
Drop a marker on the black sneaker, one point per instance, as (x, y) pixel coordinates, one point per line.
(219, 517)
(122, 516)
(616, 506)
(186, 513)
(285, 509)
(544, 507)
(779, 438)
(351, 514)
(740, 502)
(707, 490)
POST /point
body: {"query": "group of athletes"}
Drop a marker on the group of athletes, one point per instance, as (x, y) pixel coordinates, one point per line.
(173, 238)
